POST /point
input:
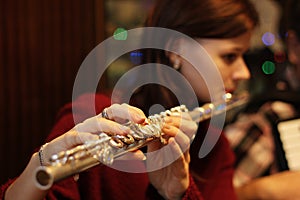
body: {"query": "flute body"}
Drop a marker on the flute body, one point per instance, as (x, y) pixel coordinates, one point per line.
(107, 148)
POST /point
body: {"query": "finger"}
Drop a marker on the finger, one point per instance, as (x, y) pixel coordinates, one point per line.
(180, 165)
(123, 112)
(175, 149)
(165, 155)
(136, 155)
(73, 138)
(153, 146)
(182, 139)
(97, 125)
(169, 130)
(187, 156)
(187, 126)
(161, 157)
(182, 115)
(69, 140)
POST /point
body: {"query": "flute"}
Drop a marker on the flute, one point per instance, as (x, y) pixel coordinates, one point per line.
(107, 148)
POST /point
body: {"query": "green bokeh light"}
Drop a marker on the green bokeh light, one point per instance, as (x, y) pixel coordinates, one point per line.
(120, 34)
(268, 67)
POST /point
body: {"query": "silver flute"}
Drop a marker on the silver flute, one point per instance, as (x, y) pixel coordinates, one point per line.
(108, 147)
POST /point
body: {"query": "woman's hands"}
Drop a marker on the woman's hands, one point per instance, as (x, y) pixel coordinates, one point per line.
(171, 178)
(171, 162)
(89, 129)
(24, 186)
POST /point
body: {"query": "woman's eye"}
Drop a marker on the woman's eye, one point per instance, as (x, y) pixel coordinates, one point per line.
(230, 58)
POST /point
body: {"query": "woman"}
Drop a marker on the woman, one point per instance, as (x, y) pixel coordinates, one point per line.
(223, 28)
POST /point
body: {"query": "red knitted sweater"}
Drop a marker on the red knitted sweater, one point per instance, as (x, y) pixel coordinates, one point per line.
(211, 177)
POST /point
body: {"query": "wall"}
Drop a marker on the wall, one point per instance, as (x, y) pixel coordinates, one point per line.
(42, 44)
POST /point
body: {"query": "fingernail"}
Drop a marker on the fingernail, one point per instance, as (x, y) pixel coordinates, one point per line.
(137, 118)
(140, 118)
(144, 157)
(146, 121)
(167, 120)
(176, 114)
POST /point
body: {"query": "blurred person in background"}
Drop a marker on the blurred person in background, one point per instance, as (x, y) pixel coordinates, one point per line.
(253, 134)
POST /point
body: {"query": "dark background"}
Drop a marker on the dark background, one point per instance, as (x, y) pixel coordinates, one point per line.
(42, 45)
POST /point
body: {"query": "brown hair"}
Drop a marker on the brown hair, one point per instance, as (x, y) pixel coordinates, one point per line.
(204, 18)
(196, 19)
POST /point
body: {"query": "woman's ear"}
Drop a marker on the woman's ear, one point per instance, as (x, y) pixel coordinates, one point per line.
(293, 47)
(174, 53)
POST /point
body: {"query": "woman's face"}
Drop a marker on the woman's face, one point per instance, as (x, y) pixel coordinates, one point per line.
(227, 54)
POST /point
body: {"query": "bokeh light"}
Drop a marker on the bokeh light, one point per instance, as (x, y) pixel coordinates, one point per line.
(120, 34)
(268, 67)
(280, 56)
(136, 57)
(268, 38)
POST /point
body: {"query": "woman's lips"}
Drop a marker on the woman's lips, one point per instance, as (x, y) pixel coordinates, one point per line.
(229, 90)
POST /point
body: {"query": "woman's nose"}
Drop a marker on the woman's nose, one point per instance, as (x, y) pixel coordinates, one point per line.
(241, 72)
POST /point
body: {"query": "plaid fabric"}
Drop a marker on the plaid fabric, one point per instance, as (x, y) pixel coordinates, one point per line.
(252, 141)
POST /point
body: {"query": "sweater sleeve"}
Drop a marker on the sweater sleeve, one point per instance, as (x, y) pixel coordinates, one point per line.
(84, 107)
(192, 193)
(4, 187)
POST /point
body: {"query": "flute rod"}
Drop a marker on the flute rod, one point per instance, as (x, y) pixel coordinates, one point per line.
(108, 148)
